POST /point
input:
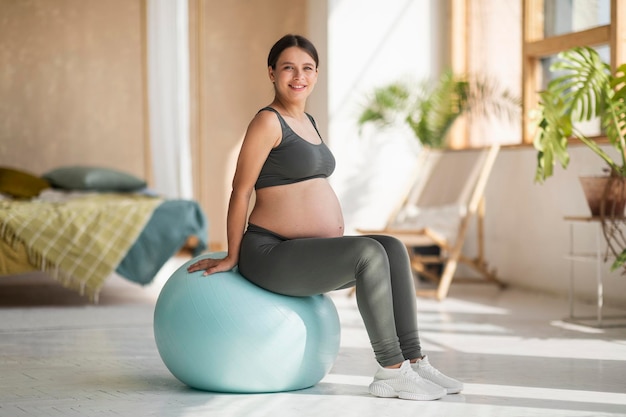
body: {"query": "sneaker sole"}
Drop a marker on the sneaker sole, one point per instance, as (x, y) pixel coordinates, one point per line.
(449, 390)
(380, 389)
(453, 390)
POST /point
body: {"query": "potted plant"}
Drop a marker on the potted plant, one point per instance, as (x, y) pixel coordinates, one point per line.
(431, 108)
(586, 89)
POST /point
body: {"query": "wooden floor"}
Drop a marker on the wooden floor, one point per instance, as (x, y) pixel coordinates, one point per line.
(61, 356)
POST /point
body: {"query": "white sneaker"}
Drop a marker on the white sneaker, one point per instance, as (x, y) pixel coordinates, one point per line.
(404, 383)
(424, 369)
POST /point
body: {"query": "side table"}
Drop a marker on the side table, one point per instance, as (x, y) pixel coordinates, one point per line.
(600, 320)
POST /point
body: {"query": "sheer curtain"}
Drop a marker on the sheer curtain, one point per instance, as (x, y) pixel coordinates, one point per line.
(168, 97)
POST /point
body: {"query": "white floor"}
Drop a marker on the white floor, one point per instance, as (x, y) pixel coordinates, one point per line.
(60, 356)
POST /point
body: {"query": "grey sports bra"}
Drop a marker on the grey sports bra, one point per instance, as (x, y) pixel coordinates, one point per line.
(295, 159)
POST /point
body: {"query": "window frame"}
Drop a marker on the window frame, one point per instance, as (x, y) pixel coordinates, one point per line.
(535, 47)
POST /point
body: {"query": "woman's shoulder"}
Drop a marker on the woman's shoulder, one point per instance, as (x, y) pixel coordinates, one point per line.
(265, 123)
(269, 109)
(266, 117)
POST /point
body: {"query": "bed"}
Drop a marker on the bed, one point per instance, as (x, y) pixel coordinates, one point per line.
(83, 233)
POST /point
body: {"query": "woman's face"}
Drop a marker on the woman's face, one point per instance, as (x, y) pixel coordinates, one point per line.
(295, 74)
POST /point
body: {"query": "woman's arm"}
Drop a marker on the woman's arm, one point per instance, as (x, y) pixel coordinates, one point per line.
(264, 133)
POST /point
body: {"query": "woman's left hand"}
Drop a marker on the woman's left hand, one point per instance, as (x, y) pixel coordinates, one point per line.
(211, 266)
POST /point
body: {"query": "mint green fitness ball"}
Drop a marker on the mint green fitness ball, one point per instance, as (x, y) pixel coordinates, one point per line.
(222, 333)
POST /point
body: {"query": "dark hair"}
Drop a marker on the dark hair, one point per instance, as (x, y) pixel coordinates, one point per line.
(288, 41)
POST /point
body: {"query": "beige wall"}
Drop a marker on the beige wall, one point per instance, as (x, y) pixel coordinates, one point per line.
(72, 82)
(527, 239)
(232, 40)
(73, 85)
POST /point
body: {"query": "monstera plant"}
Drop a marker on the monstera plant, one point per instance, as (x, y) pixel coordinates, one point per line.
(583, 90)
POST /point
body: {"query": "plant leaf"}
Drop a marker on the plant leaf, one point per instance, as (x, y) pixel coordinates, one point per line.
(620, 261)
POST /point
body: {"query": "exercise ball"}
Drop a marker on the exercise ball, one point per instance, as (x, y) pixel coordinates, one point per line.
(222, 333)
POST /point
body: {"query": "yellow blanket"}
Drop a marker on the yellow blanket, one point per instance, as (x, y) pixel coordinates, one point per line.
(79, 242)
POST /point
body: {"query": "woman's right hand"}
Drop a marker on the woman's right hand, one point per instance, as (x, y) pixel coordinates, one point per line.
(211, 266)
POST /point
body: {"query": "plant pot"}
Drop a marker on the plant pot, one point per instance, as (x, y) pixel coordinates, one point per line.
(606, 196)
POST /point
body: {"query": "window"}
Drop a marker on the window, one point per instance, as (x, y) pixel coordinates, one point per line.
(552, 26)
(516, 41)
(567, 16)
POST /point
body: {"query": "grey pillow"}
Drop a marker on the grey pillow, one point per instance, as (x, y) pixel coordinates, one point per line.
(87, 178)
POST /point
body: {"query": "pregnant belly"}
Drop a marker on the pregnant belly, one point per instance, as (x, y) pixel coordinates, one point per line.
(304, 209)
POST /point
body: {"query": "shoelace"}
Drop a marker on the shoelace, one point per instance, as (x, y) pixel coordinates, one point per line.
(411, 374)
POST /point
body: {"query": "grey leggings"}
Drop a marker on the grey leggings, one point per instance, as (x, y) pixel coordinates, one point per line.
(378, 265)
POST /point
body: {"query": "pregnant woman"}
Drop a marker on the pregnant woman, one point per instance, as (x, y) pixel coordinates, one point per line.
(293, 242)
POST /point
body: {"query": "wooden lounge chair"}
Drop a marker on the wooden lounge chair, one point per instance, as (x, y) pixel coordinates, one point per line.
(446, 196)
